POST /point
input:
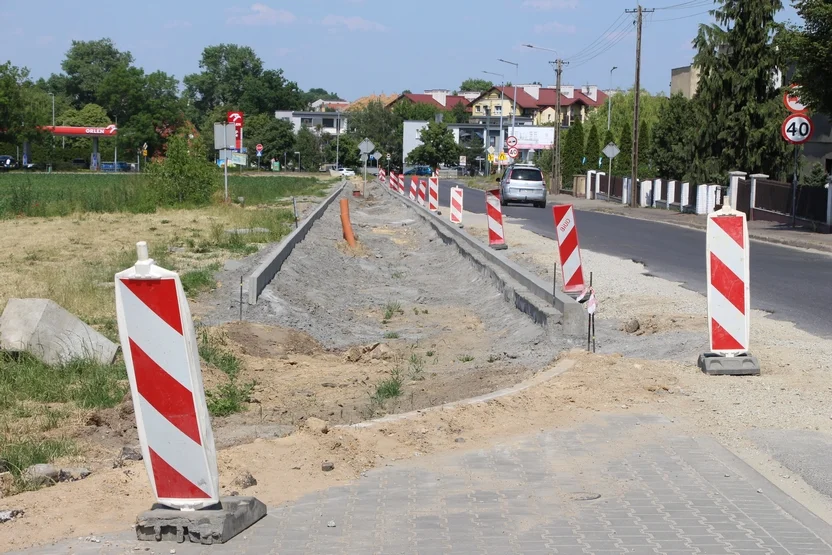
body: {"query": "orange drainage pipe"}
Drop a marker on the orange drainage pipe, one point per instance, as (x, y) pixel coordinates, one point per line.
(345, 222)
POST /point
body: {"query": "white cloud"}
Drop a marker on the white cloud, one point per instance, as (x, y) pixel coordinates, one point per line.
(549, 5)
(555, 27)
(352, 23)
(261, 15)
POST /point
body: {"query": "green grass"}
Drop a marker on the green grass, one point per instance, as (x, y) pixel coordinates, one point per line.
(391, 309)
(212, 352)
(416, 367)
(391, 387)
(20, 454)
(197, 281)
(57, 194)
(391, 335)
(230, 397)
(466, 358)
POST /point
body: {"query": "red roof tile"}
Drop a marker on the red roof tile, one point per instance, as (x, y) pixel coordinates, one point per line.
(450, 100)
(546, 97)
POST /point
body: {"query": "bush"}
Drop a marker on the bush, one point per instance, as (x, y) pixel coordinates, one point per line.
(184, 175)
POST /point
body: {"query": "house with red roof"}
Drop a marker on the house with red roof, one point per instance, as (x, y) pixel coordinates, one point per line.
(538, 103)
(438, 98)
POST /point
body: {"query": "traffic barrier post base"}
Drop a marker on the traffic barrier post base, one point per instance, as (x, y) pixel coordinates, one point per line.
(498, 247)
(206, 526)
(715, 364)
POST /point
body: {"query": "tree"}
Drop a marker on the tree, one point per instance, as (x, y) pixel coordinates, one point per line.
(572, 154)
(438, 147)
(809, 49)
(472, 149)
(622, 111)
(184, 174)
(309, 146)
(87, 65)
(227, 70)
(348, 153)
(379, 125)
(593, 149)
(476, 85)
(276, 135)
(623, 163)
(739, 109)
(270, 91)
(458, 114)
(817, 176)
(645, 150)
(673, 136)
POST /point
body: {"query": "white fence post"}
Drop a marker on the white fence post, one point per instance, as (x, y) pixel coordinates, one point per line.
(588, 186)
(598, 183)
(671, 193)
(625, 191)
(754, 178)
(646, 186)
(685, 196)
(734, 186)
(657, 191)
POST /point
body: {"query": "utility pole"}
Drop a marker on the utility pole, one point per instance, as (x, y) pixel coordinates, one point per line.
(556, 177)
(639, 20)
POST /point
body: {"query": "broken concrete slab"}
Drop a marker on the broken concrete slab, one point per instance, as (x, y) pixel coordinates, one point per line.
(44, 329)
(207, 526)
(718, 365)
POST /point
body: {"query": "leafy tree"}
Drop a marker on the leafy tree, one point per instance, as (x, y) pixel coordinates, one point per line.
(309, 146)
(622, 111)
(457, 114)
(21, 104)
(645, 150)
(593, 149)
(91, 115)
(184, 175)
(478, 85)
(472, 149)
(572, 154)
(673, 136)
(739, 108)
(87, 66)
(277, 136)
(438, 146)
(809, 49)
(226, 70)
(623, 163)
(270, 91)
(314, 94)
(608, 138)
(348, 153)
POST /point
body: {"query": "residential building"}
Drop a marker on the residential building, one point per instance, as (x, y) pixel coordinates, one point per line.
(329, 105)
(365, 101)
(439, 98)
(328, 122)
(537, 104)
(684, 80)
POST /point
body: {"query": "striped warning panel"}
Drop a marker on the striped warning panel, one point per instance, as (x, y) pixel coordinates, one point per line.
(494, 213)
(456, 205)
(729, 301)
(422, 192)
(162, 362)
(433, 194)
(568, 248)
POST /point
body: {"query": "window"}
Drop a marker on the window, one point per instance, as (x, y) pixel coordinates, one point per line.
(306, 122)
(498, 110)
(329, 122)
(479, 107)
(526, 174)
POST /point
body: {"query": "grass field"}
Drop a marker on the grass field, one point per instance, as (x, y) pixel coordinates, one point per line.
(65, 236)
(57, 194)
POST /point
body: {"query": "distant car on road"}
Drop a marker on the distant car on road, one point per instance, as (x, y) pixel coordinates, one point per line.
(346, 172)
(7, 163)
(419, 170)
(522, 183)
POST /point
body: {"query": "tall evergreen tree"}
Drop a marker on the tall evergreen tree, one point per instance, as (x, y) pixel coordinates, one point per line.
(608, 138)
(645, 151)
(739, 106)
(672, 139)
(809, 48)
(623, 163)
(593, 149)
(572, 155)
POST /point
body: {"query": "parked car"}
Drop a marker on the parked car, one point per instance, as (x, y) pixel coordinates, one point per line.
(346, 172)
(522, 183)
(419, 170)
(7, 163)
(81, 163)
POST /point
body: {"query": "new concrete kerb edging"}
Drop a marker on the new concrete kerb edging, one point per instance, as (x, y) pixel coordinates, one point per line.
(531, 295)
(264, 274)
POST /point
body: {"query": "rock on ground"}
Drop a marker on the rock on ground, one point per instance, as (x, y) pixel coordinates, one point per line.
(42, 474)
(244, 480)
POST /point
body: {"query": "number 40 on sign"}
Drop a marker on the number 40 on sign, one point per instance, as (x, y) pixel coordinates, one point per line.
(797, 129)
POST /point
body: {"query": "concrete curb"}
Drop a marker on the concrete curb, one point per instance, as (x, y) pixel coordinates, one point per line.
(264, 274)
(530, 294)
(542, 377)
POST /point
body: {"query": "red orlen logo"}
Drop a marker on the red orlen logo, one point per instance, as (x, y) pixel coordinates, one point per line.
(236, 118)
(109, 130)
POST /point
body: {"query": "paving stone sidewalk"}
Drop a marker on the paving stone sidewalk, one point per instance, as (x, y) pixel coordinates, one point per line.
(659, 492)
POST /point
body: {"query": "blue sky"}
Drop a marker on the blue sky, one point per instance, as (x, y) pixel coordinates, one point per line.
(358, 47)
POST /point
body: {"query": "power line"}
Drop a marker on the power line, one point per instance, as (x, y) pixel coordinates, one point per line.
(636, 100)
(593, 51)
(680, 17)
(609, 47)
(601, 37)
(688, 5)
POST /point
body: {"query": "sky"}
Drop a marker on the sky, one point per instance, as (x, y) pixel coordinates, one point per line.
(360, 47)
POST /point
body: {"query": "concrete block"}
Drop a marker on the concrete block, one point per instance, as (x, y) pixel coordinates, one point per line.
(51, 334)
(207, 526)
(714, 364)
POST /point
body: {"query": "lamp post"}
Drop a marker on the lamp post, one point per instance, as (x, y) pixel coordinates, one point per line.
(516, 77)
(298, 153)
(52, 156)
(337, 138)
(609, 108)
(502, 86)
(558, 67)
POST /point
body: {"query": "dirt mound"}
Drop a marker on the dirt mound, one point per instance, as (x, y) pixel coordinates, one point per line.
(270, 341)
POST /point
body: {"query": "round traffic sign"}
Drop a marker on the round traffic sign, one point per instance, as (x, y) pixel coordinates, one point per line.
(792, 100)
(513, 152)
(797, 129)
(511, 141)
(259, 148)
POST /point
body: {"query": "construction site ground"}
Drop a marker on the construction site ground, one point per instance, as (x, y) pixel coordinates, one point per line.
(637, 423)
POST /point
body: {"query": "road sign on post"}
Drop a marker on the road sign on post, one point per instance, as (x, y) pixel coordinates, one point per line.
(611, 151)
(259, 148)
(792, 100)
(797, 129)
(376, 156)
(511, 142)
(366, 146)
(513, 152)
(463, 160)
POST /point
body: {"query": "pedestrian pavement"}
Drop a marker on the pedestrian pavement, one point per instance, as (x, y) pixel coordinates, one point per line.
(618, 484)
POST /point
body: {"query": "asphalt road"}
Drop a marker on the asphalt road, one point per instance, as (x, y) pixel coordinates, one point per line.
(794, 285)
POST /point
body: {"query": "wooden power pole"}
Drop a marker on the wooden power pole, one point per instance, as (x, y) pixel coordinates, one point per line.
(639, 11)
(556, 177)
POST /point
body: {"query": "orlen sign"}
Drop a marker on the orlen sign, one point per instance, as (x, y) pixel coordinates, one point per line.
(66, 131)
(237, 119)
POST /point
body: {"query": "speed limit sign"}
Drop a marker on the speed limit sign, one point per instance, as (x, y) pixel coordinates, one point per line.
(513, 152)
(797, 129)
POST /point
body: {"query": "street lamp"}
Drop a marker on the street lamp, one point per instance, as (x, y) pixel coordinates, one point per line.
(516, 77)
(558, 67)
(337, 138)
(298, 153)
(502, 86)
(609, 108)
(52, 156)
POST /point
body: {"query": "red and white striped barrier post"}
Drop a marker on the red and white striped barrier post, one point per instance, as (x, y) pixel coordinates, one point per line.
(422, 192)
(400, 186)
(392, 183)
(433, 194)
(381, 175)
(494, 213)
(456, 205)
(568, 248)
(162, 360)
(414, 187)
(729, 300)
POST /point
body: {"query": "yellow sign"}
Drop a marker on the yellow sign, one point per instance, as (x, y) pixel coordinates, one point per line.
(144, 153)
(490, 157)
(503, 157)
